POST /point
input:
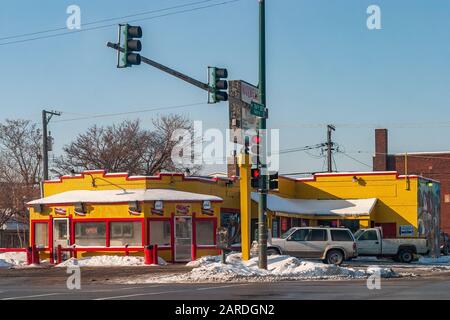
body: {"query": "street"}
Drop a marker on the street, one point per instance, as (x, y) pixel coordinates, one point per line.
(50, 284)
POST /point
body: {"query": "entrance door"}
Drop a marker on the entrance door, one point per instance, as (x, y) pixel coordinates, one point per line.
(183, 238)
(61, 235)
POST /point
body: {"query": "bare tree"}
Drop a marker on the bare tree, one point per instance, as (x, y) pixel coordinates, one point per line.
(20, 168)
(125, 147)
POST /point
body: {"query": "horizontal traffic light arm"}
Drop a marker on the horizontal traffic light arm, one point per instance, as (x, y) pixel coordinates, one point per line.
(179, 75)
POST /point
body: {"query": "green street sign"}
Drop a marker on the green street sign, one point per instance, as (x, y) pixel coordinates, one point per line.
(258, 110)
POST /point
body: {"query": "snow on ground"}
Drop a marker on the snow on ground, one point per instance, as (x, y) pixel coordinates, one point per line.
(434, 261)
(210, 269)
(107, 261)
(13, 259)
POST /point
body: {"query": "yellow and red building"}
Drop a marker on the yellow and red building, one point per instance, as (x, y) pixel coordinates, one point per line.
(180, 214)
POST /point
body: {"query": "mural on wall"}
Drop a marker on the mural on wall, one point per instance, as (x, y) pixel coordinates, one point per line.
(428, 215)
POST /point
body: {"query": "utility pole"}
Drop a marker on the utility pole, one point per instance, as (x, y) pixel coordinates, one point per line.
(262, 204)
(330, 129)
(46, 117)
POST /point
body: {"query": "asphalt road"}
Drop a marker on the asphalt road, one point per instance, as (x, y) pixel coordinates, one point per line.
(24, 287)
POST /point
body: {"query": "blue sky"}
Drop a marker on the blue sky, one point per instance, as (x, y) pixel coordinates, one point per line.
(323, 66)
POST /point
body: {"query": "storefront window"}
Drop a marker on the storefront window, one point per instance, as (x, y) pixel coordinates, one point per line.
(90, 233)
(160, 233)
(41, 234)
(126, 233)
(205, 232)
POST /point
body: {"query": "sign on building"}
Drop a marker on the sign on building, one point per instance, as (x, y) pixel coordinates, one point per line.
(407, 230)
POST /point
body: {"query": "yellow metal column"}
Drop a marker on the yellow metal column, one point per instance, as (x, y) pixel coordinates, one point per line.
(246, 214)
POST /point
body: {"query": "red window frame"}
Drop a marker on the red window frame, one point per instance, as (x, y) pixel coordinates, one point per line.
(194, 231)
(108, 227)
(33, 231)
(172, 232)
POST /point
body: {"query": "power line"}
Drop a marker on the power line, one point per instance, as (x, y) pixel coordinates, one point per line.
(354, 159)
(104, 20)
(111, 25)
(107, 115)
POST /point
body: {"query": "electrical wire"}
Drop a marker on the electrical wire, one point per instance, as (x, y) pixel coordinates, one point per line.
(104, 20)
(354, 159)
(108, 115)
(111, 25)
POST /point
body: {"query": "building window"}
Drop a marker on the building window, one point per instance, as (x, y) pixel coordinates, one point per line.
(447, 198)
(126, 233)
(41, 234)
(160, 232)
(205, 232)
(90, 233)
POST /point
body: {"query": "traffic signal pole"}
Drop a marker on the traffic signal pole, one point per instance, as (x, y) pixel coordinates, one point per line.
(262, 204)
(177, 74)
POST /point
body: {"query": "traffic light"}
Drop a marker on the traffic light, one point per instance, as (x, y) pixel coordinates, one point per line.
(273, 181)
(255, 179)
(217, 84)
(128, 35)
(254, 148)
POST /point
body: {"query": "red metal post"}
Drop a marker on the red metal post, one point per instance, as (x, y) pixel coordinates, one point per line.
(148, 254)
(59, 254)
(155, 254)
(29, 255)
(36, 258)
(126, 251)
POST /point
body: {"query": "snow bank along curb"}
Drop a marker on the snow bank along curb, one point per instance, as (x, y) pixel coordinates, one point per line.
(210, 269)
(107, 261)
(13, 259)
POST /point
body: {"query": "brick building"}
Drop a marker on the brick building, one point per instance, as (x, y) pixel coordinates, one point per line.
(434, 165)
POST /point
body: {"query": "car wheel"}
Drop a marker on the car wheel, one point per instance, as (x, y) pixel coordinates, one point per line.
(335, 257)
(272, 252)
(405, 256)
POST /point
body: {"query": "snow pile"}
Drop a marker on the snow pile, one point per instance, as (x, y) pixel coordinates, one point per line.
(107, 261)
(429, 260)
(13, 259)
(210, 269)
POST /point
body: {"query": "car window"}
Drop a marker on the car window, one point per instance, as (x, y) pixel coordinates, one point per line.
(370, 235)
(317, 235)
(300, 235)
(341, 235)
(287, 233)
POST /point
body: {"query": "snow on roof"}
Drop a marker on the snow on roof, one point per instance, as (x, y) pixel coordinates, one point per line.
(422, 153)
(356, 207)
(114, 196)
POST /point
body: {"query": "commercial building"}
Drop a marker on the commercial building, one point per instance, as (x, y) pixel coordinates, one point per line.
(180, 214)
(434, 165)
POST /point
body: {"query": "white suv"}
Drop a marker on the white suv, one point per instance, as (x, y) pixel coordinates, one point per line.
(331, 245)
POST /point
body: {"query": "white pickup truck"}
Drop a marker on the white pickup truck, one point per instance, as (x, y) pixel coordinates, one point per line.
(370, 242)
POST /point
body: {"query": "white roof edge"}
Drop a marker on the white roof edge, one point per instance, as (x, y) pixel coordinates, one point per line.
(322, 207)
(421, 152)
(115, 196)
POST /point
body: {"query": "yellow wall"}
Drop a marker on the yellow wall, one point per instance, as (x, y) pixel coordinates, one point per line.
(396, 203)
